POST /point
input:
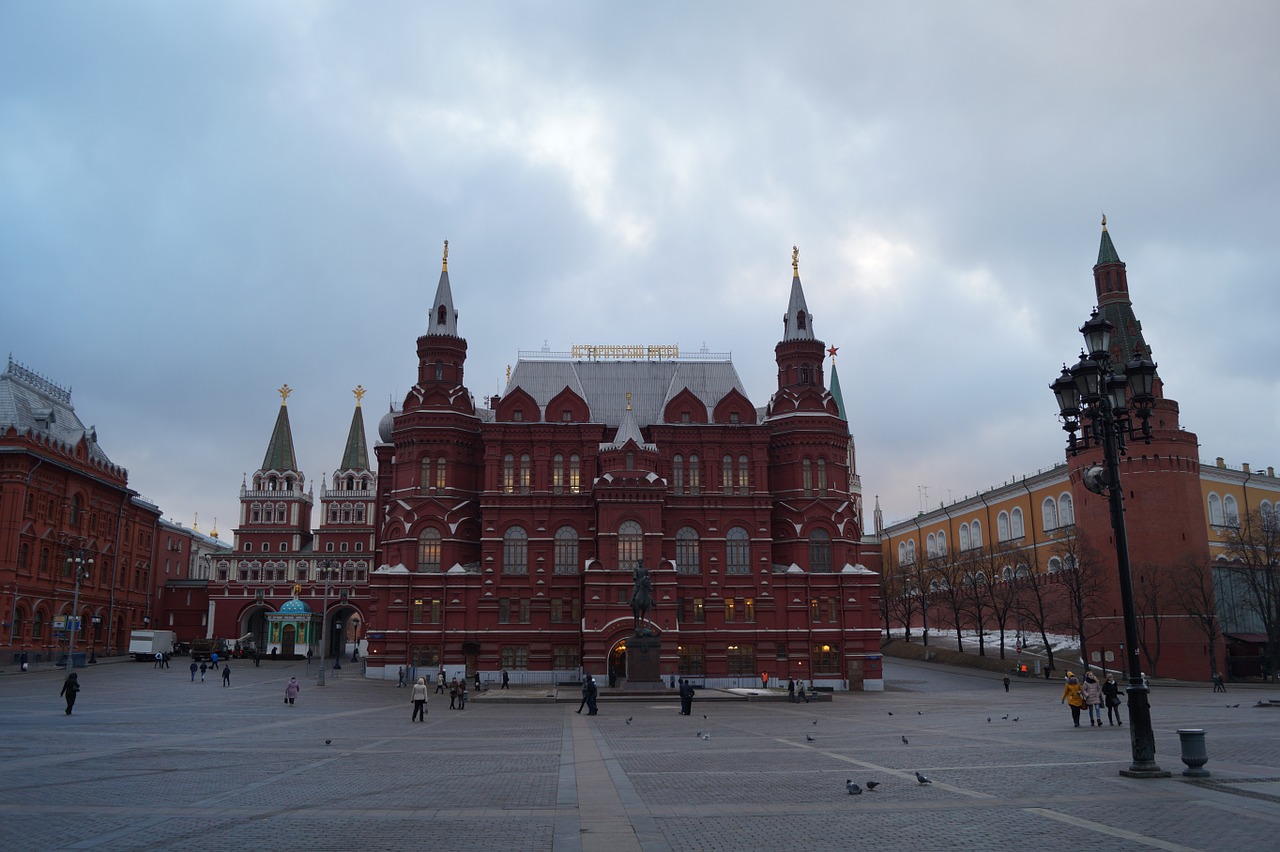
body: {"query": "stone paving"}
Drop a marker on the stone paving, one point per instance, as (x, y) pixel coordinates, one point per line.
(150, 760)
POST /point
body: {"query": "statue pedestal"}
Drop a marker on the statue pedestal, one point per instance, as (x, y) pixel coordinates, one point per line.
(642, 664)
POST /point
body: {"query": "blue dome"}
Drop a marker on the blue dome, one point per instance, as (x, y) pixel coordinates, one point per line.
(295, 605)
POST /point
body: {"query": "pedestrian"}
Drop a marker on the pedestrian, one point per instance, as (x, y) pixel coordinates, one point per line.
(453, 694)
(1218, 684)
(800, 691)
(791, 690)
(159, 660)
(440, 680)
(203, 668)
(686, 697)
(194, 669)
(462, 694)
(257, 659)
(1006, 683)
(167, 654)
(1071, 695)
(764, 680)
(308, 656)
(593, 693)
(586, 685)
(400, 674)
(477, 678)
(24, 659)
(506, 679)
(1091, 691)
(70, 687)
(213, 658)
(291, 690)
(1111, 697)
(226, 675)
(419, 699)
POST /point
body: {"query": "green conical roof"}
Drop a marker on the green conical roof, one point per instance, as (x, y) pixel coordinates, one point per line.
(280, 450)
(1106, 251)
(835, 391)
(356, 455)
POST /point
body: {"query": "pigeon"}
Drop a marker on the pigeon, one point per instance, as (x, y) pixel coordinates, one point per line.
(988, 720)
(706, 736)
(699, 734)
(327, 742)
(904, 741)
(704, 715)
(808, 738)
(922, 779)
(1005, 716)
(815, 721)
(919, 713)
(872, 785)
(890, 712)
(1015, 718)
(854, 789)
(629, 718)
(1235, 705)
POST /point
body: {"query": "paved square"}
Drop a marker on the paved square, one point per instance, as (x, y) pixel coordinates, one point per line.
(150, 760)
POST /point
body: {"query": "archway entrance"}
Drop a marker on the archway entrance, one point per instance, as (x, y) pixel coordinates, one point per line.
(618, 662)
(253, 631)
(287, 636)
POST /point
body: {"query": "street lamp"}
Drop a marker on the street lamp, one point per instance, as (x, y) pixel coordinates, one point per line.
(324, 568)
(79, 563)
(1107, 407)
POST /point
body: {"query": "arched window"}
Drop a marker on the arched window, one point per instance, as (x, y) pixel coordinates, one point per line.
(630, 545)
(975, 534)
(1215, 510)
(902, 553)
(574, 474)
(515, 551)
(566, 557)
(1055, 565)
(37, 625)
(1002, 526)
(820, 552)
(911, 551)
(441, 316)
(1267, 514)
(695, 475)
(1050, 511)
(822, 477)
(255, 514)
(557, 473)
(744, 480)
(726, 474)
(1231, 516)
(677, 474)
(509, 473)
(942, 543)
(1006, 573)
(930, 546)
(526, 473)
(439, 371)
(359, 513)
(440, 472)
(804, 375)
(75, 510)
(1015, 523)
(964, 536)
(688, 552)
(15, 632)
(1066, 510)
(333, 513)
(801, 320)
(806, 472)
(737, 551)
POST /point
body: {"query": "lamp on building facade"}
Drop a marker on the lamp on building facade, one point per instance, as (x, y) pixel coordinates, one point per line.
(1107, 407)
(79, 564)
(324, 570)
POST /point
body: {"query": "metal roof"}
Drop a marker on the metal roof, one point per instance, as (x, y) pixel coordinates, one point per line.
(30, 402)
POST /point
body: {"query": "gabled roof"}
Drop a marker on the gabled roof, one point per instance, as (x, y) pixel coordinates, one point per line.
(30, 402)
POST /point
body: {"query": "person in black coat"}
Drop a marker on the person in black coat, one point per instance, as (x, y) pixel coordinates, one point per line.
(593, 692)
(70, 687)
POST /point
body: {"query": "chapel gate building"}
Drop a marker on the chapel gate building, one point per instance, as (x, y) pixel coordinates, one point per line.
(507, 536)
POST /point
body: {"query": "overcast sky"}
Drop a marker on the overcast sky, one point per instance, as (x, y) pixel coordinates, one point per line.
(202, 202)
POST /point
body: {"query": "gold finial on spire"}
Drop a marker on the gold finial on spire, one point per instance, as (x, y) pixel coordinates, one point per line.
(628, 400)
(284, 392)
(195, 525)
(359, 392)
(1104, 221)
(214, 534)
(444, 264)
(795, 262)
(508, 374)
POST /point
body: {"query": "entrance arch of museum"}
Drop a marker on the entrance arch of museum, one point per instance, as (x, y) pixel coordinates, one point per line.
(253, 630)
(346, 624)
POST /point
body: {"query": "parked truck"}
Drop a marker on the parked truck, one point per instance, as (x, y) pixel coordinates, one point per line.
(202, 649)
(145, 644)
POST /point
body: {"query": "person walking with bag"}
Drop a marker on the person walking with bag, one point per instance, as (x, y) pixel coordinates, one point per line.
(1091, 691)
(419, 699)
(291, 690)
(1072, 696)
(1111, 697)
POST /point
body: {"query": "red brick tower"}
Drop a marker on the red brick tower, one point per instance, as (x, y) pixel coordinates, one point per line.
(275, 512)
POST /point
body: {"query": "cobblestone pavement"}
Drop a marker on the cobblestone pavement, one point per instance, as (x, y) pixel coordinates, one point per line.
(150, 760)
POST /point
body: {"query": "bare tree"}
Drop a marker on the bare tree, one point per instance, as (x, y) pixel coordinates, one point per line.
(1034, 595)
(948, 581)
(1150, 594)
(898, 600)
(1252, 546)
(1083, 582)
(974, 594)
(1191, 586)
(1001, 590)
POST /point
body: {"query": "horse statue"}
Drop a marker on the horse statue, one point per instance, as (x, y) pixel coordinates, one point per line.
(641, 597)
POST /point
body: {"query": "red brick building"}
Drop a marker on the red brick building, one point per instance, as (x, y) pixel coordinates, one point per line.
(63, 502)
(507, 535)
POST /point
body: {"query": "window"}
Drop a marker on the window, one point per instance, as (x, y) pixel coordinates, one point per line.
(1049, 509)
(822, 477)
(429, 551)
(1066, 510)
(1215, 510)
(424, 475)
(566, 551)
(744, 478)
(1002, 526)
(416, 617)
(695, 475)
(931, 546)
(44, 560)
(820, 552)
(749, 610)
(22, 555)
(573, 474)
(687, 551)
(435, 611)
(1015, 522)
(677, 474)
(902, 553)
(826, 659)
(730, 610)
(975, 537)
(565, 657)
(964, 537)
(439, 472)
(737, 545)
(911, 551)
(692, 660)
(504, 611)
(726, 474)
(733, 417)
(517, 415)
(699, 611)
(426, 656)
(942, 542)
(440, 364)
(515, 657)
(509, 473)
(566, 415)
(1267, 514)
(806, 468)
(780, 651)
(525, 474)
(37, 625)
(515, 551)
(557, 473)
(630, 544)
(1230, 514)
(1055, 565)
(815, 612)
(741, 660)
(74, 518)
(556, 610)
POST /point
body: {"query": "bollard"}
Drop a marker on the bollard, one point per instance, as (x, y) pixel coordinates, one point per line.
(1194, 753)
